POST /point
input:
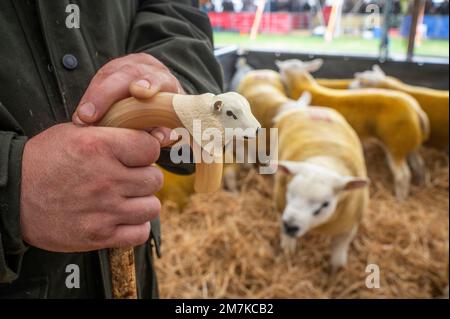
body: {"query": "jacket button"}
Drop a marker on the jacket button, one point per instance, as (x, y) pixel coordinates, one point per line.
(70, 62)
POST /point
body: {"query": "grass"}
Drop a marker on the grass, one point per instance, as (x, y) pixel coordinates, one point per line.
(345, 44)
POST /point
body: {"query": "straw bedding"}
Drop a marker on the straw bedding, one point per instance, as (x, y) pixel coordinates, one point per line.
(227, 245)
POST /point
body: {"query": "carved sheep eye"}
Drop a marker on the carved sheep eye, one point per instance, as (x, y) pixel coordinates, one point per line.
(231, 114)
(324, 205)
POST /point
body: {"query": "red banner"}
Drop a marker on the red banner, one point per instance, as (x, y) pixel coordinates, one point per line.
(242, 22)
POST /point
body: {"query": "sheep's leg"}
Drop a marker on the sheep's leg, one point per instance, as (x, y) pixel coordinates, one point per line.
(402, 177)
(420, 173)
(339, 248)
(230, 178)
(288, 243)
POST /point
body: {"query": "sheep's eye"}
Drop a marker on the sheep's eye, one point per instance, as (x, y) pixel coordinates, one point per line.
(324, 205)
(231, 114)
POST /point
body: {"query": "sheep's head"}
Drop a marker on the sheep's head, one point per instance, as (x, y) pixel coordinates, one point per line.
(214, 120)
(303, 102)
(312, 195)
(295, 66)
(370, 78)
(234, 112)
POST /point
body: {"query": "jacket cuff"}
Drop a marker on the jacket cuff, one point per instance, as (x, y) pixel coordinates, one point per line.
(12, 247)
(188, 87)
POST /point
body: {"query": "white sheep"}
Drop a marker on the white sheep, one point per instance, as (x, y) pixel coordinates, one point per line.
(321, 182)
(394, 118)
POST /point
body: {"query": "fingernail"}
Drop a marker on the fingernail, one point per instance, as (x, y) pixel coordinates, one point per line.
(159, 136)
(143, 84)
(76, 120)
(87, 109)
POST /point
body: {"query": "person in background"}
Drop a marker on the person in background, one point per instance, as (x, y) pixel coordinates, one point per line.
(443, 8)
(295, 6)
(207, 6)
(283, 5)
(248, 6)
(397, 7)
(228, 6)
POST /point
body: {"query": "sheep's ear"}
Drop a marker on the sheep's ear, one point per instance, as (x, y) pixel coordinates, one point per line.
(350, 183)
(355, 84)
(368, 78)
(279, 64)
(378, 71)
(288, 167)
(304, 100)
(218, 105)
(314, 65)
(283, 169)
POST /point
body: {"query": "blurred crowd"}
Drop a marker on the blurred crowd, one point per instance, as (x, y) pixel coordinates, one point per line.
(433, 7)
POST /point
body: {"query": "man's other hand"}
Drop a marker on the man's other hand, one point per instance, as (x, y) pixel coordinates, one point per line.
(89, 188)
(139, 75)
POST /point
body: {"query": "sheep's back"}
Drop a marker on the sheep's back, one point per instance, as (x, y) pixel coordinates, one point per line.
(176, 188)
(393, 117)
(318, 131)
(265, 77)
(265, 102)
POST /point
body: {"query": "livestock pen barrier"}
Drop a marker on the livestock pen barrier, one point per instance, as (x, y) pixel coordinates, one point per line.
(227, 245)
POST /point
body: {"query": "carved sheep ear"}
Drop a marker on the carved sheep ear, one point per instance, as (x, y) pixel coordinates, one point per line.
(218, 106)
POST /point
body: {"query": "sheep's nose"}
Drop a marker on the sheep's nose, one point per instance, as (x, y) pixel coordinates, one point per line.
(290, 229)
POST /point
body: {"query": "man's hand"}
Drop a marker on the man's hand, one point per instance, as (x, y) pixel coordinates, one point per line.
(139, 75)
(89, 188)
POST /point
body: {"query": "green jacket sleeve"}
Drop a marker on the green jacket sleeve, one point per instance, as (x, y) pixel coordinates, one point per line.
(12, 247)
(180, 36)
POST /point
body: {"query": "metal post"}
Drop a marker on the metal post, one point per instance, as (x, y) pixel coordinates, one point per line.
(320, 12)
(257, 21)
(357, 6)
(418, 7)
(384, 45)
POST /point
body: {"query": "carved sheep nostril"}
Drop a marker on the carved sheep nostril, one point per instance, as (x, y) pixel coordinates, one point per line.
(246, 137)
